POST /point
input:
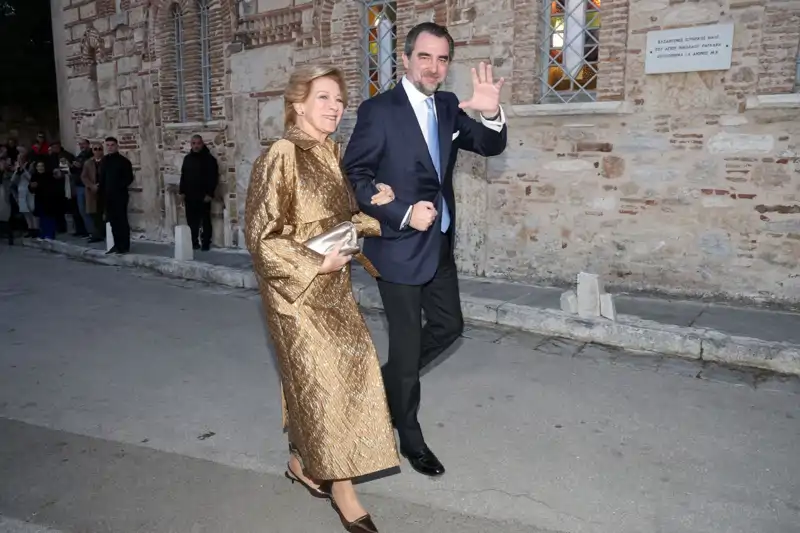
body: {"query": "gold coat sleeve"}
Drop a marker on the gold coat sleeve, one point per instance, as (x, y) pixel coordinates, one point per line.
(366, 226)
(286, 264)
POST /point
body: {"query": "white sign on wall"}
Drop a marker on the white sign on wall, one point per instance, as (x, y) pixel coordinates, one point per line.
(689, 49)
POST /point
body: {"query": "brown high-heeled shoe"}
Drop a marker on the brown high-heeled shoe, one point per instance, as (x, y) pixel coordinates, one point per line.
(316, 492)
(360, 525)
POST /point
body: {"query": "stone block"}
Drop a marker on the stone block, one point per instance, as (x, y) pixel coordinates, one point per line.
(71, 15)
(569, 302)
(613, 167)
(83, 94)
(589, 291)
(183, 243)
(101, 24)
(568, 165)
(607, 308)
(88, 11)
(107, 84)
(109, 237)
(740, 143)
(227, 231)
(137, 16)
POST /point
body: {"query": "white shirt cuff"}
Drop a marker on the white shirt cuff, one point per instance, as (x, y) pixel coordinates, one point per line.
(496, 125)
(407, 218)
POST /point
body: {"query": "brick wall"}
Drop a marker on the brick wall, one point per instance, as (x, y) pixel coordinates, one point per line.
(677, 183)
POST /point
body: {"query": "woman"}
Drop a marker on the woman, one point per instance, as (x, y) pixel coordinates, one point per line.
(25, 199)
(334, 402)
(49, 190)
(7, 203)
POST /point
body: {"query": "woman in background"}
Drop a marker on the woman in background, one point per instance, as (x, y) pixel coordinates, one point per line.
(49, 190)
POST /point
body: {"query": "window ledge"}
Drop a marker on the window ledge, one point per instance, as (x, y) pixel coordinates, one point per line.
(209, 125)
(774, 101)
(581, 108)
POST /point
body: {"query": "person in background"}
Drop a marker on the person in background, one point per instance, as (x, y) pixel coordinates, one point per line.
(90, 176)
(199, 178)
(20, 181)
(49, 190)
(62, 160)
(13, 149)
(84, 226)
(7, 203)
(116, 175)
(40, 147)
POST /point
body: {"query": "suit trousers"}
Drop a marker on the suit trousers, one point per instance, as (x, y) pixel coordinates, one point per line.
(197, 213)
(413, 346)
(117, 215)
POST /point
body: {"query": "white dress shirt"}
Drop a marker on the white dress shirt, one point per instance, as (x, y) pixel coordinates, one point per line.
(417, 99)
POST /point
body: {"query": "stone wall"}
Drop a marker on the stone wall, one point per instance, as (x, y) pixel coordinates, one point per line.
(683, 183)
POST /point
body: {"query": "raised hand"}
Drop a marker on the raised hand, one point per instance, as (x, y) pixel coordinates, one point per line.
(485, 92)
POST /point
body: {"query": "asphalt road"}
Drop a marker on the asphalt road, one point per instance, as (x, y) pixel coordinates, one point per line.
(131, 403)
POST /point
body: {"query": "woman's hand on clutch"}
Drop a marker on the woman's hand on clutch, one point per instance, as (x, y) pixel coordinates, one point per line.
(385, 195)
(334, 261)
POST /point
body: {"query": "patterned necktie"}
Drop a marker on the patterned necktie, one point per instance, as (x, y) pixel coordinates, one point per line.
(433, 149)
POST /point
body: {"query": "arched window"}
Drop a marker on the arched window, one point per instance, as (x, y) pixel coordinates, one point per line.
(379, 41)
(570, 51)
(177, 19)
(205, 57)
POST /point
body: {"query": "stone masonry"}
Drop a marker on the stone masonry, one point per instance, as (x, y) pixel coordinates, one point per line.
(683, 183)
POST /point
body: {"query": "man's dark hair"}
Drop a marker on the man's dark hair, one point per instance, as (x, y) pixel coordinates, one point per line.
(112, 140)
(428, 27)
(197, 136)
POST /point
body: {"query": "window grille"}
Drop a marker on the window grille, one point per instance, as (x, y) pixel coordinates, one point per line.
(379, 43)
(570, 50)
(797, 73)
(205, 56)
(177, 18)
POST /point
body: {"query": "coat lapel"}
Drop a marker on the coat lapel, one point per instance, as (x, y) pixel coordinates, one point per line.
(445, 120)
(407, 121)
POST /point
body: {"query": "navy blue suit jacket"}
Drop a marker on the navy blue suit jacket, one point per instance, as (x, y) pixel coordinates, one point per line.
(387, 146)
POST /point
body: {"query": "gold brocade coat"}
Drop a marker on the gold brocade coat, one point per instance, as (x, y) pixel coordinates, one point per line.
(334, 401)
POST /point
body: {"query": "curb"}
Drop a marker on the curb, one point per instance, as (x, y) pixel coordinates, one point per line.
(627, 332)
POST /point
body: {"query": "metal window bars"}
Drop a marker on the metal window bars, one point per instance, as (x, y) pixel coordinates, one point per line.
(797, 72)
(177, 19)
(569, 50)
(379, 46)
(205, 56)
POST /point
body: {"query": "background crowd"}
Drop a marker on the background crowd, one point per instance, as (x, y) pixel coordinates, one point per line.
(46, 190)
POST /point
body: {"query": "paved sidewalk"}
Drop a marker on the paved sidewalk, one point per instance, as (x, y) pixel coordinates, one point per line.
(746, 336)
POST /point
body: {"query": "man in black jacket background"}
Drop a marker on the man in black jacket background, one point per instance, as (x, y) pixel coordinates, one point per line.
(199, 178)
(116, 175)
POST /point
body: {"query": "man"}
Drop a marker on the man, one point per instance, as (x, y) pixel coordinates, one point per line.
(84, 227)
(199, 178)
(116, 175)
(40, 147)
(59, 161)
(408, 138)
(94, 207)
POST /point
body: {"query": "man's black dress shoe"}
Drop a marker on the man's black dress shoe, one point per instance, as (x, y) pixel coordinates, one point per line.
(424, 462)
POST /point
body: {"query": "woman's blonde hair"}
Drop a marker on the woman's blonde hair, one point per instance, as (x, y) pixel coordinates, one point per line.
(299, 87)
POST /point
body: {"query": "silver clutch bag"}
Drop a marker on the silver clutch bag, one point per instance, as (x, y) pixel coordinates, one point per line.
(344, 234)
